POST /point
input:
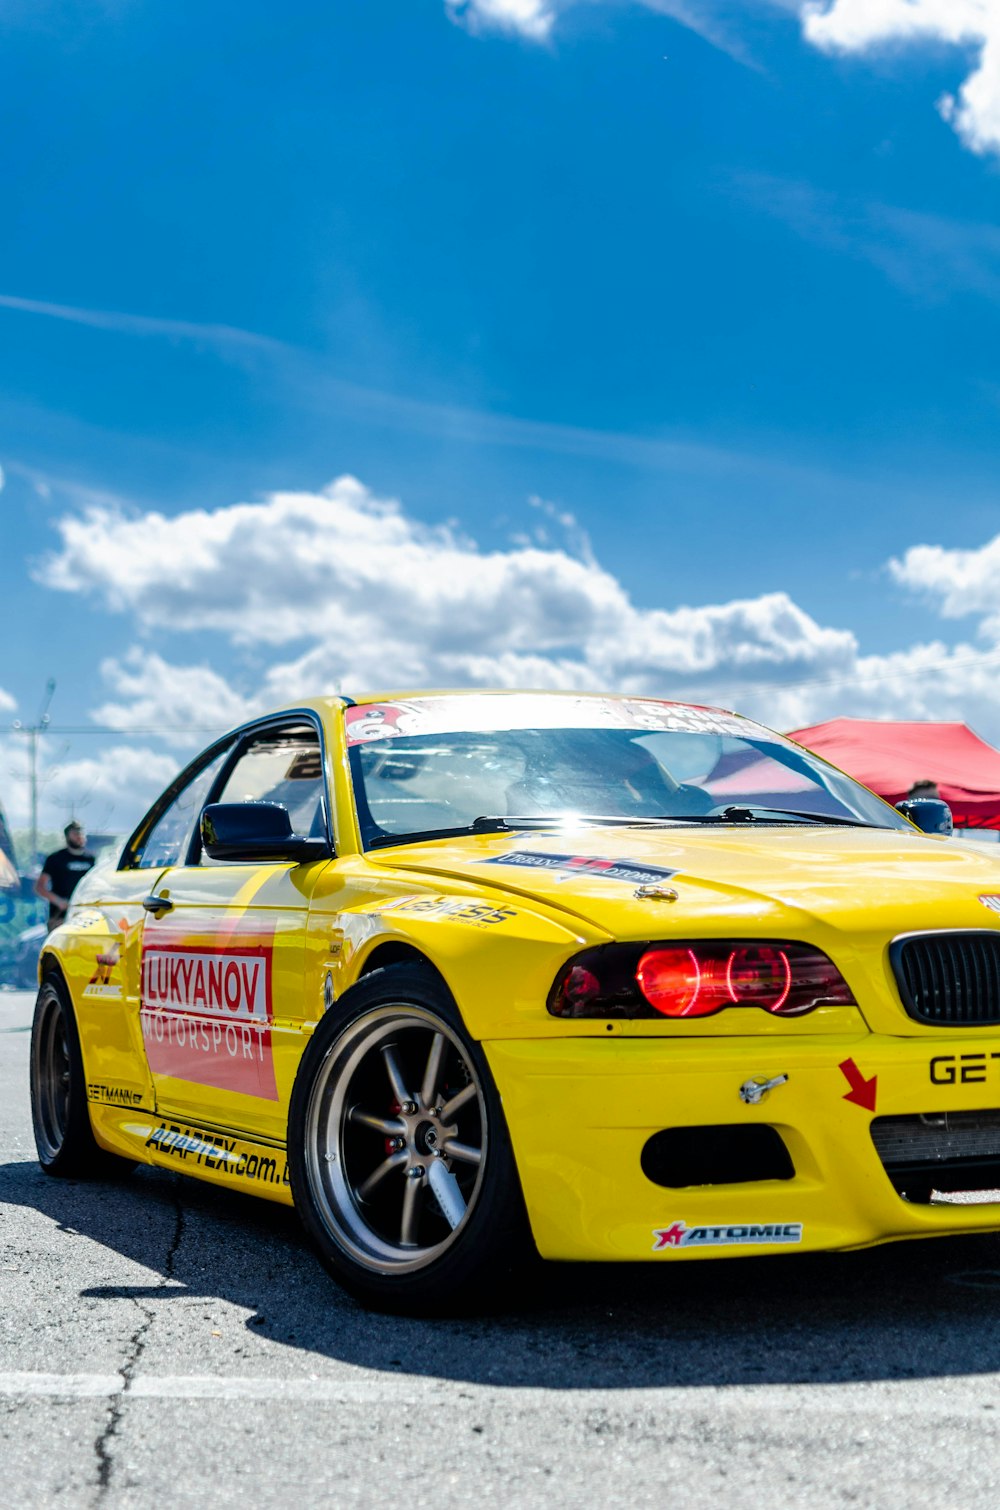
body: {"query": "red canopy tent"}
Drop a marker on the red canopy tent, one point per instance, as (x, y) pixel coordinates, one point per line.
(890, 757)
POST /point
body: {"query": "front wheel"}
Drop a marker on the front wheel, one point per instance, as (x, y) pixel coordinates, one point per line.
(399, 1157)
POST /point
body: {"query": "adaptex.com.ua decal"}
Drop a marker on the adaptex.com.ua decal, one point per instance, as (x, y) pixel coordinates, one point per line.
(242, 1160)
(680, 1235)
(596, 866)
(206, 1014)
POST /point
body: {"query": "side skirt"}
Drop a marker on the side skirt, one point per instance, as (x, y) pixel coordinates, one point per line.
(221, 1157)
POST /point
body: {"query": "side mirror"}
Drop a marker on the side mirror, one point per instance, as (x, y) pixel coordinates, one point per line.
(928, 813)
(255, 831)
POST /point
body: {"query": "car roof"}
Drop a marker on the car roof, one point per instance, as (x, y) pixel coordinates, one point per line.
(410, 694)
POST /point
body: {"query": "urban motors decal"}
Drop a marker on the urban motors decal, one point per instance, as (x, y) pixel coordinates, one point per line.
(680, 1235)
(206, 1014)
(584, 865)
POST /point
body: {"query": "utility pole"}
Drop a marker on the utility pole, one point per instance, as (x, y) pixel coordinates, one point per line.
(33, 732)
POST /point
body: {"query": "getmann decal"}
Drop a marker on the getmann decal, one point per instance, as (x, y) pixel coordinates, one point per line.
(242, 1160)
(584, 865)
(680, 1235)
(113, 1095)
(959, 1069)
(455, 909)
(206, 1015)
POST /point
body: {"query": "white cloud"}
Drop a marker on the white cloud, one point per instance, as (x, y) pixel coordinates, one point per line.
(108, 790)
(343, 591)
(535, 20)
(958, 582)
(377, 598)
(930, 257)
(529, 18)
(111, 790)
(218, 337)
(161, 698)
(6, 701)
(835, 26)
(863, 26)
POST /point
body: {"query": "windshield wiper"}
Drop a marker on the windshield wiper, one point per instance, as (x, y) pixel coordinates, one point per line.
(736, 814)
(488, 824)
(461, 830)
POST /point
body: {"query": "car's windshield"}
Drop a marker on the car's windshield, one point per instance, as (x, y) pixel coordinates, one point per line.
(442, 762)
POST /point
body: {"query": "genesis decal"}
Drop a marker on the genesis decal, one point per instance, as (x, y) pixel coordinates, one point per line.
(990, 900)
(455, 909)
(584, 865)
(680, 1235)
(206, 1015)
(242, 1160)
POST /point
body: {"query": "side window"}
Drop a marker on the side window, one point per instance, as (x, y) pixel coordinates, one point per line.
(283, 766)
(167, 841)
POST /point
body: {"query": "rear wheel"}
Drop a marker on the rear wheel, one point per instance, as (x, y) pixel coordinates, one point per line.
(63, 1135)
(399, 1156)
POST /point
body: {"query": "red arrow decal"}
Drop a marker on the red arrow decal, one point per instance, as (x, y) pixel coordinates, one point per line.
(862, 1091)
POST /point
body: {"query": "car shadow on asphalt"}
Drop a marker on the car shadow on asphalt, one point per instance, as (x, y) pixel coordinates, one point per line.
(908, 1310)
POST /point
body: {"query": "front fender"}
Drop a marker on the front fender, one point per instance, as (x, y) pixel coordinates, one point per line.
(497, 957)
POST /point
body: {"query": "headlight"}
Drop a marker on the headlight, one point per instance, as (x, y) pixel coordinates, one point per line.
(697, 979)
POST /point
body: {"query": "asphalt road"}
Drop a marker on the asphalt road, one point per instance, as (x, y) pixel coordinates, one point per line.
(166, 1343)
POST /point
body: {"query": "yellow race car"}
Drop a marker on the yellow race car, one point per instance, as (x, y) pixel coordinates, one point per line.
(462, 976)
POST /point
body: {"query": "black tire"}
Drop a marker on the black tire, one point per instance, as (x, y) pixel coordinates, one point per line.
(64, 1138)
(423, 1240)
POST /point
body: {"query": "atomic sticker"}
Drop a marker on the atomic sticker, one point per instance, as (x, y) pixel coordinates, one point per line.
(680, 1235)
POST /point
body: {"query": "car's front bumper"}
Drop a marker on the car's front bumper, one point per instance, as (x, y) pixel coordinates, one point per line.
(580, 1111)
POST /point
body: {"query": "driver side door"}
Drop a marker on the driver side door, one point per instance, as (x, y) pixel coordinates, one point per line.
(223, 950)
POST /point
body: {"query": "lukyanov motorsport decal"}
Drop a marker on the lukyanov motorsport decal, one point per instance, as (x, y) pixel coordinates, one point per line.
(584, 865)
(206, 1013)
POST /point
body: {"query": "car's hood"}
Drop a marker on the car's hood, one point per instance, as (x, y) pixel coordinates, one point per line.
(866, 880)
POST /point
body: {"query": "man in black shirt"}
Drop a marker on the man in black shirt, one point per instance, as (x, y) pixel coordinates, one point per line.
(62, 871)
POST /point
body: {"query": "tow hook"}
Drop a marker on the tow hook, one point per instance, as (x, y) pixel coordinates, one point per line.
(752, 1092)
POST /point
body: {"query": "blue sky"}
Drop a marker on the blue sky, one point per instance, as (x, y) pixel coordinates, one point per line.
(659, 338)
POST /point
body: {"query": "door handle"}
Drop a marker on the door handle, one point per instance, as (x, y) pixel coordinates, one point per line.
(156, 904)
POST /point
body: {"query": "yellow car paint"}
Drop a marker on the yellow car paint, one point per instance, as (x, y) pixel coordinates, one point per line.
(581, 1097)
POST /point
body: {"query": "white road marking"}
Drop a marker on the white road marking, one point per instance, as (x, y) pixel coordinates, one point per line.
(963, 1396)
